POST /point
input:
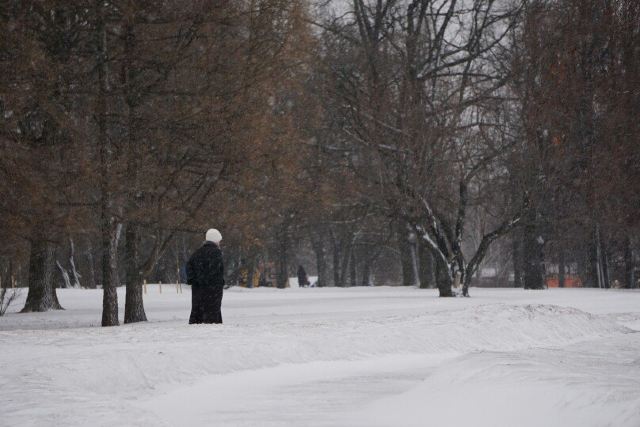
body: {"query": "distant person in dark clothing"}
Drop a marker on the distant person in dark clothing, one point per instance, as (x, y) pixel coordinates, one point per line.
(205, 274)
(183, 274)
(303, 280)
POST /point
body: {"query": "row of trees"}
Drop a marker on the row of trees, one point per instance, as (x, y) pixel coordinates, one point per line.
(576, 63)
(465, 121)
(386, 138)
(137, 121)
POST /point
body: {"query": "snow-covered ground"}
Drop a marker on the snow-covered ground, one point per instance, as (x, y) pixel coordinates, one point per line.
(330, 357)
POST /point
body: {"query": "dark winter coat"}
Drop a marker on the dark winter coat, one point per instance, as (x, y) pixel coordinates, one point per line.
(205, 268)
(303, 279)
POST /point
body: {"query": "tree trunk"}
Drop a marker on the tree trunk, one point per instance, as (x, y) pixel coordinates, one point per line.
(561, 269)
(366, 271)
(251, 270)
(10, 278)
(108, 231)
(584, 264)
(110, 237)
(605, 267)
(406, 259)
(72, 263)
(321, 261)
(70, 276)
(426, 267)
(65, 275)
(92, 264)
(597, 269)
(466, 282)
(42, 293)
(346, 250)
(414, 264)
(352, 269)
(134, 304)
(283, 262)
(444, 280)
(517, 259)
(533, 256)
(629, 270)
(336, 262)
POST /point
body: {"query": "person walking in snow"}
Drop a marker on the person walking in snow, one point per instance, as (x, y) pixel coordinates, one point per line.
(303, 279)
(205, 274)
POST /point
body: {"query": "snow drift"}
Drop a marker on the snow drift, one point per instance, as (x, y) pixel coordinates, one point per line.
(98, 375)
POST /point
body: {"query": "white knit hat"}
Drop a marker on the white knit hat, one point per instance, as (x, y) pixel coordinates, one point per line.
(214, 236)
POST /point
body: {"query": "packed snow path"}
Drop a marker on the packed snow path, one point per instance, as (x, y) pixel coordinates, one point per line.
(330, 357)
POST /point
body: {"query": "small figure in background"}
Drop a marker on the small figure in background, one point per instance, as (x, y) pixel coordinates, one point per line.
(303, 279)
(182, 274)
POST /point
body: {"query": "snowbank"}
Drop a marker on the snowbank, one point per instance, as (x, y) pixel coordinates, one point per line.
(54, 367)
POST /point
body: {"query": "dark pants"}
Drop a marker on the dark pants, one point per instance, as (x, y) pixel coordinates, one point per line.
(205, 304)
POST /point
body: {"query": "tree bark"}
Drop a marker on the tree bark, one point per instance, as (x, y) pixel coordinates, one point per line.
(444, 281)
(336, 261)
(65, 275)
(346, 245)
(366, 271)
(92, 264)
(605, 267)
(406, 258)
(110, 237)
(72, 263)
(533, 256)
(251, 270)
(283, 262)
(516, 256)
(584, 263)
(42, 293)
(414, 263)
(629, 268)
(426, 267)
(134, 303)
(321, 260)
(352, 269)
(596, 258)
(108, 231)
(70, 276)
(561, 268)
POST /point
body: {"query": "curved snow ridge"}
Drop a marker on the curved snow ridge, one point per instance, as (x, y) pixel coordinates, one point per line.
(488, 329)
(629, 320)
(101, 368)
(578, 385)
(175, 354)
(493, 327)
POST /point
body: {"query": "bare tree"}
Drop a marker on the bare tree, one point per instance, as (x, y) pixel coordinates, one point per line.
(423, 108)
